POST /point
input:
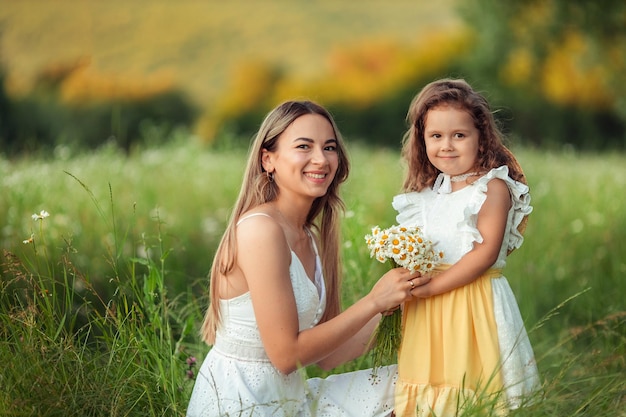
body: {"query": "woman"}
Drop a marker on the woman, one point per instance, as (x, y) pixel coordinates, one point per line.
(275, 297)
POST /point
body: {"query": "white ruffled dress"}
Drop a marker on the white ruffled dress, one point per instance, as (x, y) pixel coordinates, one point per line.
(469, 342)
(238, 379)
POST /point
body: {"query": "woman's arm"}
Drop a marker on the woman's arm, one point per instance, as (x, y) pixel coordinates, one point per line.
(353, 347)
(363, 341)
(491, 224)
(264, 258)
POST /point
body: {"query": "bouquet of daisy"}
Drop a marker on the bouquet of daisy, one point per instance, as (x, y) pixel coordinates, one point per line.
(401, 246)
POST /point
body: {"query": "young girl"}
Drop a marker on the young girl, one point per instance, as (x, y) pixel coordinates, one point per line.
(275, 285)
(463, 337)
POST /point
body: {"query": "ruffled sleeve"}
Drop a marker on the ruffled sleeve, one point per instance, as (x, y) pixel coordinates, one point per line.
(521, 207)
(409, 209)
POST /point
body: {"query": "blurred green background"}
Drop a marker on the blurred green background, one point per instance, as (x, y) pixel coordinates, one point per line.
(79, 74)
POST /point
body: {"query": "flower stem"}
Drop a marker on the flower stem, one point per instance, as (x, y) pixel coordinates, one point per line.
(387, 339)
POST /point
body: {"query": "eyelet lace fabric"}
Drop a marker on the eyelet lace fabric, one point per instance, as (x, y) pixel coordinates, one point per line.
(449, 220)
(238, 379)
(460, 209)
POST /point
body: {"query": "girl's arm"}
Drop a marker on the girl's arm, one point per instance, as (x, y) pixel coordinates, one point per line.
(491, 224)
(264, 258)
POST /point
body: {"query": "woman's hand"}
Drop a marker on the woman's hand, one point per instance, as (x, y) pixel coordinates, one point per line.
(395, 287)
(390, 311)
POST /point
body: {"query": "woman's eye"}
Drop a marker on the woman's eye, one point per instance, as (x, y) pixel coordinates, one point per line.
(331, 148)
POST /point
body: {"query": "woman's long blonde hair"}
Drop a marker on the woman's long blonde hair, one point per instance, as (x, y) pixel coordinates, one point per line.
(257, 189)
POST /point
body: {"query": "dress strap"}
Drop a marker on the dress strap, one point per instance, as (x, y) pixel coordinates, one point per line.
(252, 215)
(308, 232)
(319, 275)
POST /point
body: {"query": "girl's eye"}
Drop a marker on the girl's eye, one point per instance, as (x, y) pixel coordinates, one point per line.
(331, 148)
(302, 146)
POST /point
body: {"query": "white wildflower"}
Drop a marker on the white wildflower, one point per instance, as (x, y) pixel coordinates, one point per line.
(42, 215)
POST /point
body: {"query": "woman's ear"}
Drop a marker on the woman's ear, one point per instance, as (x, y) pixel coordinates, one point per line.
(266, 160)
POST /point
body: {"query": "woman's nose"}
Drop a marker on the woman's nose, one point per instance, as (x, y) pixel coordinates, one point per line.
(319, 156)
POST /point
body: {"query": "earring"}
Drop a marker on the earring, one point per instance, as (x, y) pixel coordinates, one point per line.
(270, 176)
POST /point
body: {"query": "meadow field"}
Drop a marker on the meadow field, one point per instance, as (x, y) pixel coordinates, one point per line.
(104, 255)
(101, 300)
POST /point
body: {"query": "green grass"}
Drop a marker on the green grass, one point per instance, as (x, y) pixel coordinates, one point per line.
(99, 315)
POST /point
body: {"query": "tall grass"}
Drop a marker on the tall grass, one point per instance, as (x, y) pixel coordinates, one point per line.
(99, 310)
(72, 351)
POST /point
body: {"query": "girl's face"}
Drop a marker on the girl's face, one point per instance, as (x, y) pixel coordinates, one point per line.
(451, 139)
(305, 160)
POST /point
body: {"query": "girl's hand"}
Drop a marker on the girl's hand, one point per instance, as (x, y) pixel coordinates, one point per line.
(422, 290)
(420, 280)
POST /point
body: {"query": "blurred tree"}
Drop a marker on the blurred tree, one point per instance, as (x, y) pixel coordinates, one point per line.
(7, 126)
(81, 109)
(564, 61)
(368, 86)
(237, 113)
(6, 119)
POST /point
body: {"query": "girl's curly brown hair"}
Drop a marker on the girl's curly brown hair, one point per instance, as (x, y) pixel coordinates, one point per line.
(458, 93)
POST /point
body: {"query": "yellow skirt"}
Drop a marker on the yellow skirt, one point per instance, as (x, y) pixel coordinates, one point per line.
(449, 357)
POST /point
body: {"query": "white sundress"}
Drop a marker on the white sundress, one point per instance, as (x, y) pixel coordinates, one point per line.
(433, 379)
(238, 379)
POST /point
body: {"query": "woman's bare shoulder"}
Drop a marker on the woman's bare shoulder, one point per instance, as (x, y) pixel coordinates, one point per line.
(257, 228)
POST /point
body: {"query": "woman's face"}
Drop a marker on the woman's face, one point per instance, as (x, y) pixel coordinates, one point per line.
(451, 139)
(305, 160)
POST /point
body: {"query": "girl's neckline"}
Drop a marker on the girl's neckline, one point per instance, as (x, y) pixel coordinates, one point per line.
(443, 183)
(462, 177)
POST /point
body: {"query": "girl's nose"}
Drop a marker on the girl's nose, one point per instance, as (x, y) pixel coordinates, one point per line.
(446, 144)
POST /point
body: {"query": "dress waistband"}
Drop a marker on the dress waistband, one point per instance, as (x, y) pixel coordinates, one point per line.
(490, 273)
(240, 351)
